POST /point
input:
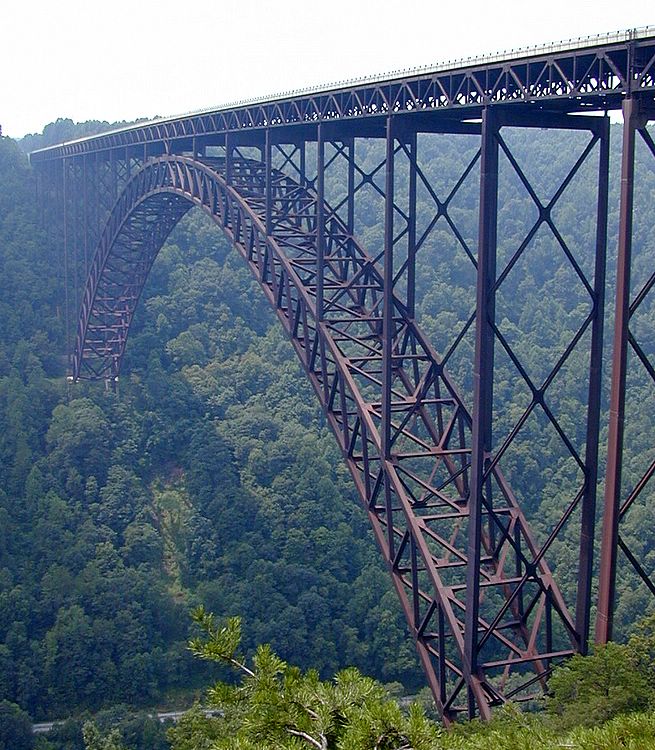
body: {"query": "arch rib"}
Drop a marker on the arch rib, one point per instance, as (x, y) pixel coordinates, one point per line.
(416, 493)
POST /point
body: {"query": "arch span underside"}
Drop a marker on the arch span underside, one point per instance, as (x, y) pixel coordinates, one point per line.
(414, 480)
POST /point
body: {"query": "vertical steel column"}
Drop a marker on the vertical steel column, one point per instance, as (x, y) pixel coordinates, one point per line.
(483, 370)
(320, 223)
(351, 185)
(411, 229)
(75, 205)
(43, 175)
(388, 327)
(302, 179)
(66, 300)
(228, 158)
(85, 199)
(114, 175)
(268, 161)
(96, 200)
(608, 552)
(38, 195)
(588, 510)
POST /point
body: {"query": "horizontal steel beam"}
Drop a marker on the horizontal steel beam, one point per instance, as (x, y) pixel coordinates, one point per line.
(595, 77)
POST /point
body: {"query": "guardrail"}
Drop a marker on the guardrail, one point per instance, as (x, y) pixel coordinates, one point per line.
(567, 45)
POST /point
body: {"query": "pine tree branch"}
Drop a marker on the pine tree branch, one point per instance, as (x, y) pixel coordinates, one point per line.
(322, 745)
(238, 665)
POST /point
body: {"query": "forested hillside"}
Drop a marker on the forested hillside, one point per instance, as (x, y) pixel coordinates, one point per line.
(211, 477)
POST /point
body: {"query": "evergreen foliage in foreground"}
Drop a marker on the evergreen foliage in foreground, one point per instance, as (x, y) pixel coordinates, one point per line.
(275, 705)
(603, 701)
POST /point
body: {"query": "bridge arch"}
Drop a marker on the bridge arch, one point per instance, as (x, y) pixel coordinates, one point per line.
(402, 427)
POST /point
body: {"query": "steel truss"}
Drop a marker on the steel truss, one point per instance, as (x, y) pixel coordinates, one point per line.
(283, 178)
(564, 77)
(629, 349)
(480, 600)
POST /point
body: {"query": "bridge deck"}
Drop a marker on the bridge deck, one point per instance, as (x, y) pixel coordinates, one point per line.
(596, 73)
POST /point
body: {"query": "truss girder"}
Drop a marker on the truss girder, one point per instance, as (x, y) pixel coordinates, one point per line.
(483, 606)
(595, 74)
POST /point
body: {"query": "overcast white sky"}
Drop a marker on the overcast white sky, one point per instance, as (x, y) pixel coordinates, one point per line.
(123, 59)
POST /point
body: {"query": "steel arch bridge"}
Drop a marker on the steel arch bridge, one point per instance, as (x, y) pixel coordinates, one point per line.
(280, 178)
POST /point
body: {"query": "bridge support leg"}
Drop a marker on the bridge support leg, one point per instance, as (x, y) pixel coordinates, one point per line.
(411, 560)
(588, 509)
(85, 209)
(635, 118)
(483, 391)
(388, 325)
(268, 161)
(493, 519)
(65, 201)
(490, 537)
(479, 598)
(320, 223)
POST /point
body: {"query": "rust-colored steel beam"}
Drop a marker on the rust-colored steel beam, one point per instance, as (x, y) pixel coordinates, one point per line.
(636, 114)
(588, 502)
(592, 74)
(403, 428)
(481, 601)
(482, 394)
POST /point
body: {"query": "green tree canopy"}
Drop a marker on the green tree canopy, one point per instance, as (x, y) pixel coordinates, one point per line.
(273, 705)
(15, 728)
